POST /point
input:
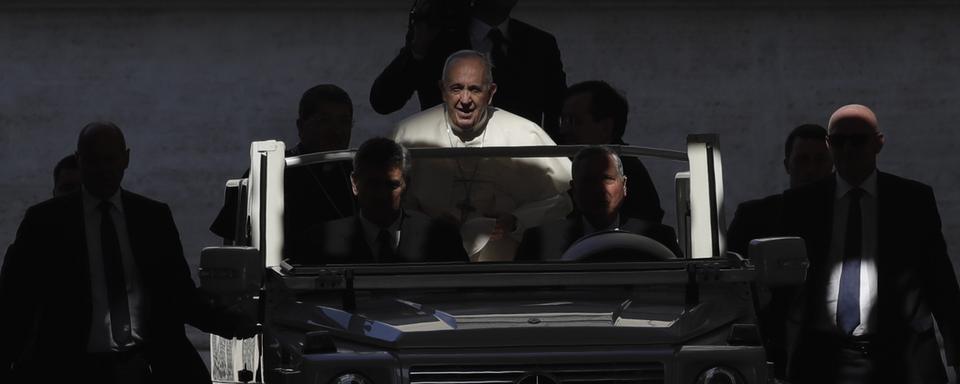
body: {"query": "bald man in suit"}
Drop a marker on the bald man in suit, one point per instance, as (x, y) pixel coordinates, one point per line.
(879, 271)
(96, 284)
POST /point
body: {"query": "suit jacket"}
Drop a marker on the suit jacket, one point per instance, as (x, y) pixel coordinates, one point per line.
(45, 292)
(642, 201)
(754, 219)
(550, 240)
(531, 84)
(342, 241)
(915, 279)
(757, 219)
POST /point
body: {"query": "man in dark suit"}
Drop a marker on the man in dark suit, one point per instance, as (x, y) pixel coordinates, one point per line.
(879, 270)
(596, 114)
(95, 287)
(382, 232)
(313, 193)
(526, 60)
(66, 176)
(806, 159)
(599, 188)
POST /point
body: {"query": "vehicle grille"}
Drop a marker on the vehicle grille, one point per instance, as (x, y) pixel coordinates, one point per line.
(613, 373)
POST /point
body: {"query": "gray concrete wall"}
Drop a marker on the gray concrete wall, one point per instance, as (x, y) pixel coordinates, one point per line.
(193, 84)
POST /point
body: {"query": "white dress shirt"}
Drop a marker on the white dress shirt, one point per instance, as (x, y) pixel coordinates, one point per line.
(101, 335)
(868, 266)
(371, 230)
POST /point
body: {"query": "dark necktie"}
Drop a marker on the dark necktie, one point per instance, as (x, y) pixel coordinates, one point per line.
(114, 275)
(384, 247)
(498, 52)
(848, 302)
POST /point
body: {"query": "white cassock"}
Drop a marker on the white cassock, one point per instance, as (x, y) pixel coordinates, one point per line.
(473, 191)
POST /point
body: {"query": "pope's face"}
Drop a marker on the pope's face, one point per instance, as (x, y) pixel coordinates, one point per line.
(465, 94)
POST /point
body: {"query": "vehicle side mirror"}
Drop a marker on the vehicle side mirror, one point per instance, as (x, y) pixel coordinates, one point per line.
(779, 261)
(231, 272)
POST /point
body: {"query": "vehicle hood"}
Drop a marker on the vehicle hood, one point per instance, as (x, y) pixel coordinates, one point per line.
(510, 318)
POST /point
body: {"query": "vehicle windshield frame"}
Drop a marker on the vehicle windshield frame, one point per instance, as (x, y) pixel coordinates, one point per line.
(703, 187)
(512, 152)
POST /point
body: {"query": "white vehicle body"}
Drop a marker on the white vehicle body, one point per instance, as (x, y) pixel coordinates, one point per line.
(675, 321)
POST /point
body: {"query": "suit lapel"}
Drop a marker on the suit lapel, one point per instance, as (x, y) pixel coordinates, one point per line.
(361, 250)
(821, 215)
(885, 232)
(76, 268)
(137, 232)
(521, 46)
(811, 217)
(818, 240)
(574, 232)
(634, 225)
(76, 232)
(407, 247)
(884, 207)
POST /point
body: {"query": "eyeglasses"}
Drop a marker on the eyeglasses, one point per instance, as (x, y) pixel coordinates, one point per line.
(854, 140)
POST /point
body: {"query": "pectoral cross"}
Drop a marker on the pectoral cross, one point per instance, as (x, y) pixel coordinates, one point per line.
(465, 206)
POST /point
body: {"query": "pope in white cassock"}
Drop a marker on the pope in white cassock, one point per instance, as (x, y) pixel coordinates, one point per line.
(492, 199)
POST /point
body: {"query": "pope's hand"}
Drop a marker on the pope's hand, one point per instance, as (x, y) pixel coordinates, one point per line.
(506, 223)
(422, 32)
(246, 328)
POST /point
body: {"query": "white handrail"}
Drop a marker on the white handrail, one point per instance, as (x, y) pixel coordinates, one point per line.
(514, 152)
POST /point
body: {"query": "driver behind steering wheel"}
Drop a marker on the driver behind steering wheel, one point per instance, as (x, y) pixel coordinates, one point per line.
(599, 187)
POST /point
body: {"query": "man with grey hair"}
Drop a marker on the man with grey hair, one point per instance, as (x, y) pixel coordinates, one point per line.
(382, 232)
(599, 189)
(492, 199)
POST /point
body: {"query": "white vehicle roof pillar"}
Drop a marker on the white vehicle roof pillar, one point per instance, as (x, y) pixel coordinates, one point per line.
(265, 199)
(706, 197)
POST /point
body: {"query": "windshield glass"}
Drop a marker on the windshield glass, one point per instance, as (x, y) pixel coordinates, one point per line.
(587, 205)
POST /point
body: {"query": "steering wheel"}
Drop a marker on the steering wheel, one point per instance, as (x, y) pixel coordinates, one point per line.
(616, 245)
